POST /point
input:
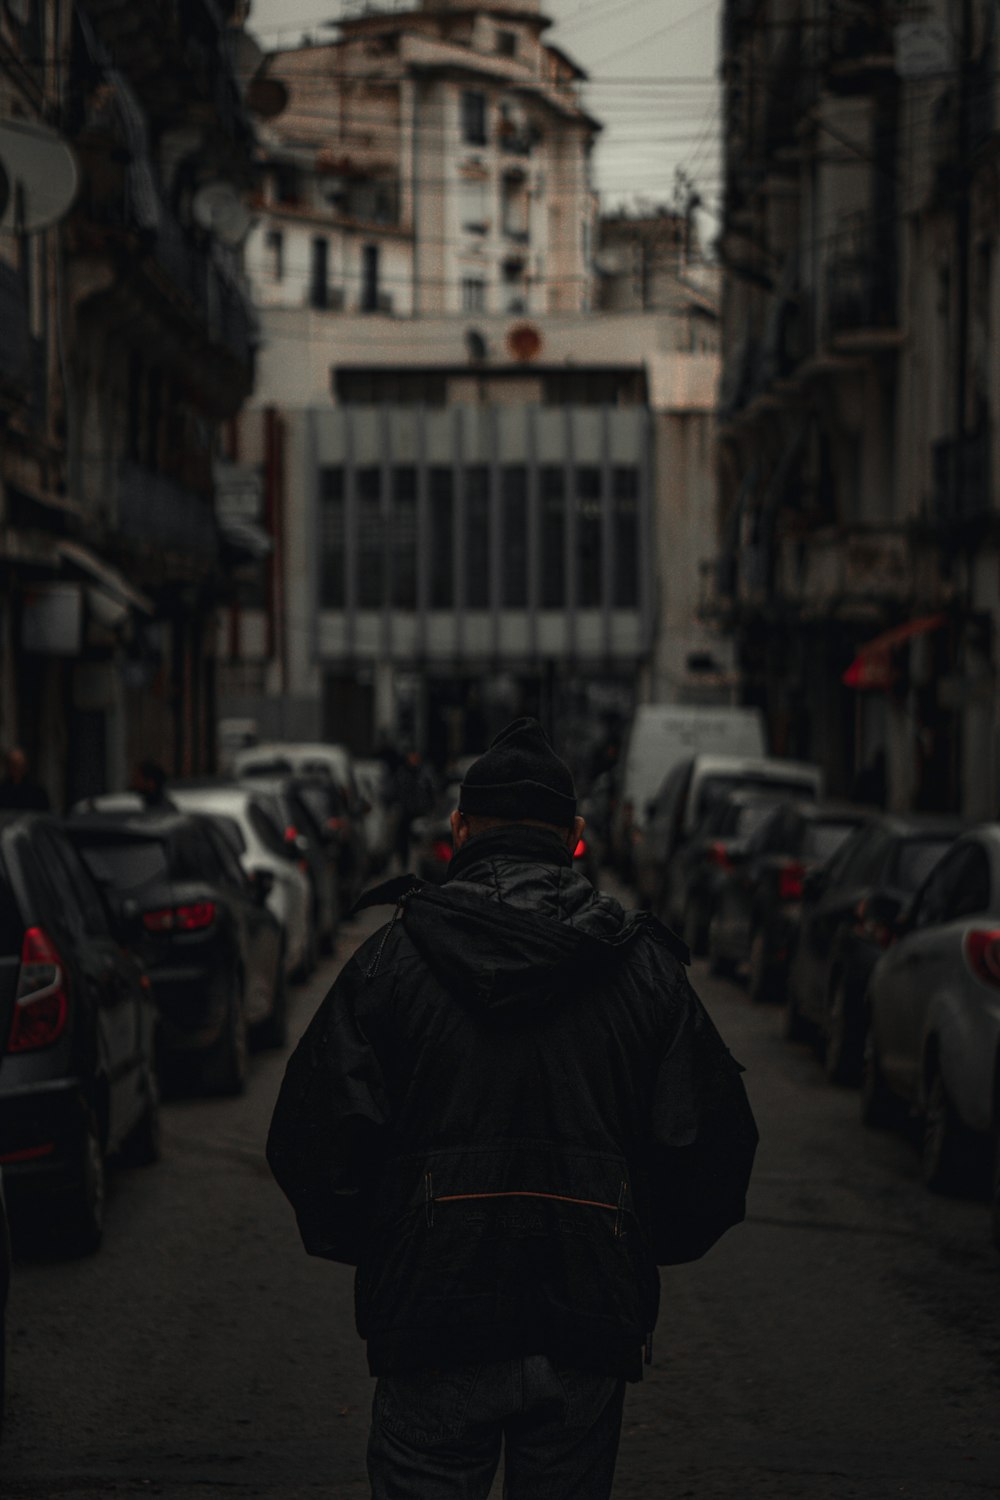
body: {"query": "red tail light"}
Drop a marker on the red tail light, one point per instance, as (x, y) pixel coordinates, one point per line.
(442, 850)
(291, 834)
(718, 854)
(982, 954)
(580, 849)
(194, 917)
(790, 879)
(42, 1004)
(335, 825)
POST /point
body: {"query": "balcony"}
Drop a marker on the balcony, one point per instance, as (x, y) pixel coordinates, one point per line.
(861, 288)
(162, 515)
(962, 473)
(856, 44)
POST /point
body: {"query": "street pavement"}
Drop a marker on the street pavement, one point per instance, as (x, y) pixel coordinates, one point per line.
(844, 1342)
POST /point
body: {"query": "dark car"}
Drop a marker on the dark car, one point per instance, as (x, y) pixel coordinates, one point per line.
(317, 845)
(340, 826)
(699, 869)
(758, 907)
(4, 1289)
(78, 1081)
(200, 924)
(846, 923)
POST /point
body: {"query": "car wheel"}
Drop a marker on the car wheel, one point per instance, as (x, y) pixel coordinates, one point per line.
(840, 1051)
(273, 1030)
(879, 1108)
(84, 1216)
(224, 1067)
(145, 1144)
(945, 1156)
(694, 928)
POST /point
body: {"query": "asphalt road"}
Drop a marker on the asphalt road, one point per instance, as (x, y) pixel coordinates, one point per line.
(844, 1342)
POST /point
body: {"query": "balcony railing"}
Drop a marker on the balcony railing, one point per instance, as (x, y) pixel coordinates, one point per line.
(860, 280)
(163, 514)
(962, 470)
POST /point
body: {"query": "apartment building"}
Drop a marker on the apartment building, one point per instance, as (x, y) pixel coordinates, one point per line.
(859, 571)
(431, 161)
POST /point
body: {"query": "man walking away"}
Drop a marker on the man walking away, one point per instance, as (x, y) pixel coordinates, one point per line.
(509, 1109)
(19, 789)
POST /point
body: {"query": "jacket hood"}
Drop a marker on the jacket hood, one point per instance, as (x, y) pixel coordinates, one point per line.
(514, 925)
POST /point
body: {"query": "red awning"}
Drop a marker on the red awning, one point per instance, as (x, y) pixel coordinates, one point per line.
(873, 666)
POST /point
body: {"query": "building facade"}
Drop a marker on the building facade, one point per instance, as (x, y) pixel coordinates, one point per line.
(859, 570)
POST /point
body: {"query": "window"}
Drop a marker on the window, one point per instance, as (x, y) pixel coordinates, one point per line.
(473, 294)
(914, 860)
(588, 536)
(474, 117)
(514, 490)
(514, 206)
(318, 272)
(507, 43)
(403, 534)
(553, 486)
(370, 538)
(332, 539)
(274, 254)
(369, 278)
(476, 489)
(442, 537)
(625, 512)
(472, 205)
(231, 871)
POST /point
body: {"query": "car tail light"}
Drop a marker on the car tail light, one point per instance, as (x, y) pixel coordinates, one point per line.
(581, 849)
(442, 850)
(336, 825)
(291, 834)
(790, 879)
(982, 954)
(42, 1004)
(194, 916)
(718, 854)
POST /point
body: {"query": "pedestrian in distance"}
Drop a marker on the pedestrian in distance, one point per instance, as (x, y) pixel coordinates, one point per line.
(149, 779)
(18, 788)
(413, 792)
(508, 1111)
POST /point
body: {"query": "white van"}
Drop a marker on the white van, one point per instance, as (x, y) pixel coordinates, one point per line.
(664, 733)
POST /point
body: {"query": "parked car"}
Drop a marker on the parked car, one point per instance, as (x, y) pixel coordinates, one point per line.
(841, 934)
(4, 1292)
(78, 1082)
(316, 759)
(759, 905)
(932, 1040)
(689, 792)
(699, 868)
(213, 951)
(382, 813)
(259, 843)
(660, 736)
(340, 830)
(305, 838)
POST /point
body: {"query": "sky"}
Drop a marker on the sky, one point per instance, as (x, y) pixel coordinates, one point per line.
(653, 84)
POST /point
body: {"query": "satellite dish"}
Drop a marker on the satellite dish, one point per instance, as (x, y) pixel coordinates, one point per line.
(217, 206)
(41, 172)
(266, 96)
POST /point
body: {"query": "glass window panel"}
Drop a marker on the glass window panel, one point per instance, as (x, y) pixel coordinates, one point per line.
(588, 536)
(404, 537)
(371, 554)
(625, 500)
(332, 531)
(441, 485)
(476, 484)
(553, 488)
(514, 482)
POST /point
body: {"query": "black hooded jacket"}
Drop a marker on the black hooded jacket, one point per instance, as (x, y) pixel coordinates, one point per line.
(509, 1109)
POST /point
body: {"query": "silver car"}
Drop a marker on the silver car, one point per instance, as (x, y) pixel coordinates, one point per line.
(932, 1045)
(260, 846)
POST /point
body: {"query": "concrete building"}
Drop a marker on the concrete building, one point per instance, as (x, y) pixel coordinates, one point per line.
(859, 575)
(475, 501)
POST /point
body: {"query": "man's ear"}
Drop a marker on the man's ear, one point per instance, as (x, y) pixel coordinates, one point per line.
(459, 829)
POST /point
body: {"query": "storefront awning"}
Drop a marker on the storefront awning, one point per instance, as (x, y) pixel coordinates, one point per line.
(873, 666)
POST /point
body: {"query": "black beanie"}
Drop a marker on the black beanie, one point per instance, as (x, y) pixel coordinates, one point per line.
(520, 776)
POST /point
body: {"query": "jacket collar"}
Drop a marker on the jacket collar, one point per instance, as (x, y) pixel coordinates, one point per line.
(513, 841)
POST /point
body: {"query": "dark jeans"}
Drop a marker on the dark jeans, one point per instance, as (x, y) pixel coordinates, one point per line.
(436, 1434)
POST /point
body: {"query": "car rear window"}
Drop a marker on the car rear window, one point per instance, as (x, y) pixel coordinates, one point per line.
(914, 860)
(714, 787)
(751, 816)
(822, 840)
(11, 926)
(125, 864)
